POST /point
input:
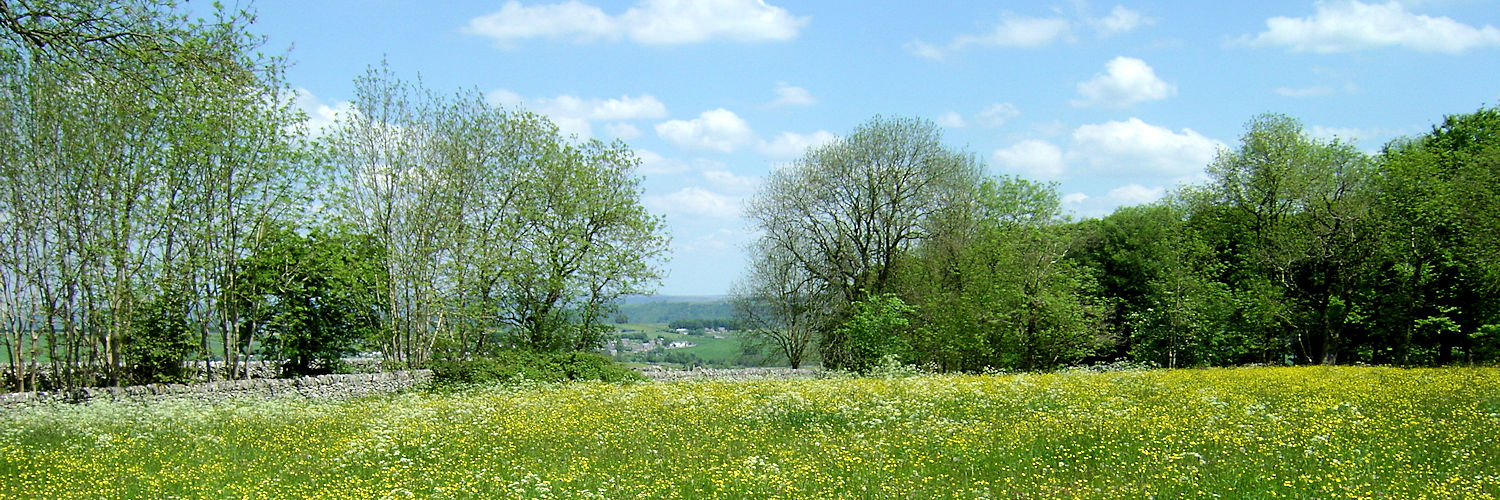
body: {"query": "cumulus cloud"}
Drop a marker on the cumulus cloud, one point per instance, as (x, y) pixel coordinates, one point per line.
(1074, 198)
(1012, 31)
(1134, 147)
(1135, 194)
(1120, 20)
(694, 201)
(1346, 26)
(717, 130)
(723, 131)
(575, 115)
(787, 95)
(730, 182)
(653, 163)
(622, 131)
(951, 119)
(792, 144)
(1126, 81)
(320, 116)
(650, 22)
(1032, 158)
(997, 114)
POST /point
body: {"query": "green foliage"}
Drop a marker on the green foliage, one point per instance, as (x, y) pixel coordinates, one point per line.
(313, 299)
(497, 229)
(159, 341)
(699, 324)
(511, 366)
(998, 289)
(876, 329)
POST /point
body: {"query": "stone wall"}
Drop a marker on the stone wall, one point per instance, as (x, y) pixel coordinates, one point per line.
(323, 387)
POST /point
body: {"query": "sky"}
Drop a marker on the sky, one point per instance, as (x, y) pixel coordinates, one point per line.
(1117, 103)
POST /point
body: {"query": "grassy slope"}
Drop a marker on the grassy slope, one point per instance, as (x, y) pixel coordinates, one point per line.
(1257, 433)
(710, 349)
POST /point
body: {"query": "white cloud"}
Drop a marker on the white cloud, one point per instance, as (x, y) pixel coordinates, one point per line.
(694, 201)
(320, 116)
(1019, 32)
(575, 115)
(729, 182)
(650, 22)
(1074, 198)
(792, 145)
(926, 50)
(997, 114)
(715, 130)
(951, 119)
(622, 131)
(1033, 159)
(1345, 26)
(1012, 31)
(653, 163)
(1134, 147)
(1135, 194)
(1126, 81)
(787, 95)
(1119, 20)
(715, 242)
(504, 98)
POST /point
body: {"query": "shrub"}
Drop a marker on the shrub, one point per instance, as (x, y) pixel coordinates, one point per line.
(512, 366)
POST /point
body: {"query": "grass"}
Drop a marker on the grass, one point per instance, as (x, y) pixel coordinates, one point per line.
(711, 350)
(1319, 432)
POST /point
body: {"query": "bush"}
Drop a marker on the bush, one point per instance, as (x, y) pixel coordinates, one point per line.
(513, 366)
(158, 342)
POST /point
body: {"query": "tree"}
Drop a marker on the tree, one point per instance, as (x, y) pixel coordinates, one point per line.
(875, 330)
(846, 212)
(779, 304)
(116, 115)
(586, 241)
(997, 289)
(1168, 306)
(1301, 206)
(496, 230)
(1438, 224)
(311, 299)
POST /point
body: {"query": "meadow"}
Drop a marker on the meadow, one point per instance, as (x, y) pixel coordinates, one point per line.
(1313, 432)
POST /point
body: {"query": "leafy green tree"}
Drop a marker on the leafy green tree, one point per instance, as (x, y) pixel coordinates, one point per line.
(779, 305)
(875, 330)
(159, 342)
(846, 213)
(135, 140)
(1293, 215)
(311, 299)
(999, 289)
(497, 231)
(1439, 203)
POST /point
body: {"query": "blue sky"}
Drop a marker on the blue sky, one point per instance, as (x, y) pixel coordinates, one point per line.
(1116, 102)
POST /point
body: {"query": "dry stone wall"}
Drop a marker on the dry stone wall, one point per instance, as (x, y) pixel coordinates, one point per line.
(323, 387)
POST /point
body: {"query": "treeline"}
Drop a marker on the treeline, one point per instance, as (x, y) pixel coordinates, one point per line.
(668, 311)
(887, 243)
(699, 324)
(162, 200)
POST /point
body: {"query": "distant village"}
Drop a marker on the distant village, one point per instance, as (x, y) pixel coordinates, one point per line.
(631, 343)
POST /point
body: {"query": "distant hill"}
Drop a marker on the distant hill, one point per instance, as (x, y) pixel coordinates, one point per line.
(666, 309)
(647, 299)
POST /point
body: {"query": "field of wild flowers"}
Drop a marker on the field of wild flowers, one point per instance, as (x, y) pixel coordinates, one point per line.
(1313, 432)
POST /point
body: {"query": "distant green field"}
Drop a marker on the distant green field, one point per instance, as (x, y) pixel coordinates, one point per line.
(1304, 432)
(711, 350)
